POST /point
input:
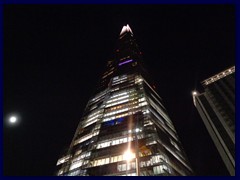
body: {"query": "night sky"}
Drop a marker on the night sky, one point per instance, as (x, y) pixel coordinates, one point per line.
(54, 56)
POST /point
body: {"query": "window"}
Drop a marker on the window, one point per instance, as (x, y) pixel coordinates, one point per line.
(74, 173)
(76, 164)
(129, 166)
(158, 170)
(86, 137)
(82, 156)
(158, 159)
(63, 159)
(114, 142)
(107, 160)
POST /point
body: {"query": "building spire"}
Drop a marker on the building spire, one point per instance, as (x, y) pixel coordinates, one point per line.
(126, 29)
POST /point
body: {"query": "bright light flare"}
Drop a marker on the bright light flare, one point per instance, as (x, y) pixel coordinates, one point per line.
(128, 155)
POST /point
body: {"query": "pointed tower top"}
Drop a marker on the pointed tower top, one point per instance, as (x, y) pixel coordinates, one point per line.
(126, 29)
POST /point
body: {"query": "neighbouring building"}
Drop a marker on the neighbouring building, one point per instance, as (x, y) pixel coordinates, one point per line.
(216, 106)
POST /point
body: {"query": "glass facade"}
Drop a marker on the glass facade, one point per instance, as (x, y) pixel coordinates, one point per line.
(125, 129)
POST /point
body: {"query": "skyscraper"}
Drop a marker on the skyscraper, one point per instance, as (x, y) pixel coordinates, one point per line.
(216, 106)
(125, 129)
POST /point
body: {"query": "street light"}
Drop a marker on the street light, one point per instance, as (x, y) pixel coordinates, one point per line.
(128, 156)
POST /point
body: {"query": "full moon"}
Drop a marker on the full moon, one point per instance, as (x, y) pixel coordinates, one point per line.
(13, 119)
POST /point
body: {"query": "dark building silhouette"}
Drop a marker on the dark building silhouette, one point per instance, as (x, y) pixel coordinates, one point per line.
(216, 106)
(125, 129)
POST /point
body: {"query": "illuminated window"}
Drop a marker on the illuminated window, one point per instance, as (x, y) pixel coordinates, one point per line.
(143, 104)
(118, 102)
(145, 111)
(138, 80)
(142, 99)
(82, 156)
(76, 165)
(78, 152)
(160, 169)
(92, 118)
(63, 159)
(116, 112)
(86, 137)
(114, 142)
(123, 167)
(115, 78)
(107, 160)
(118, 98)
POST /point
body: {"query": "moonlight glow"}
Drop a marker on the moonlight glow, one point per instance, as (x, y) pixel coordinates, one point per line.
(13, 119)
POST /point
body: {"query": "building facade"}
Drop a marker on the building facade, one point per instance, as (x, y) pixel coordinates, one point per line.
(125, 129)
(216, 106)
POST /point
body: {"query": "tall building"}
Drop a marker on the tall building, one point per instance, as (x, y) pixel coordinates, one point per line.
(125, 129)
(216, 106)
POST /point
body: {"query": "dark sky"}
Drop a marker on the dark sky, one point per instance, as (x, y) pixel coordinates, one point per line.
(55, 54)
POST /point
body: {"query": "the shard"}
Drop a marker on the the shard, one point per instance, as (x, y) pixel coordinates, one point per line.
(125, 129)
